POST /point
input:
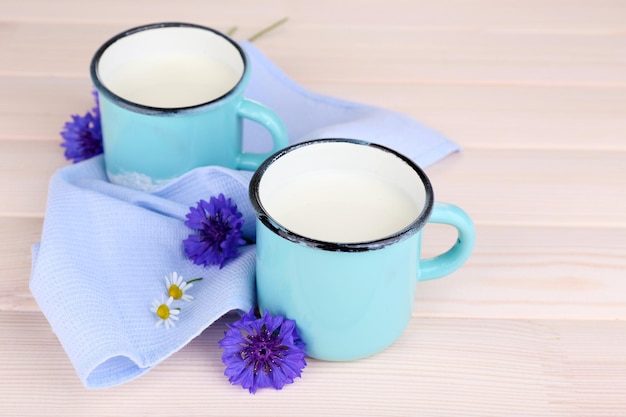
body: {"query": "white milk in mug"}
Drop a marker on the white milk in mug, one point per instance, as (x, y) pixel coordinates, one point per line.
(172, 82)
(337, 205)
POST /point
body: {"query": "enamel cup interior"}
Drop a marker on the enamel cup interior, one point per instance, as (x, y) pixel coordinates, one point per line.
(171, 57)
(343, 192)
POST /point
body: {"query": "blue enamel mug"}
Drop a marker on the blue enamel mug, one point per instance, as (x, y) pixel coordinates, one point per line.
(171, 99)
(338, 239)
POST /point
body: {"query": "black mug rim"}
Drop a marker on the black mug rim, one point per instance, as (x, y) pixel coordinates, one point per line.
(264, 217)
(142, 108)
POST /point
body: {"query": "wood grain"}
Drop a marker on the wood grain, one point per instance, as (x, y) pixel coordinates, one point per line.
(36, 161)
(18, 236)
(606, 16)
(529, 117)
(373, 54)
(440, 367)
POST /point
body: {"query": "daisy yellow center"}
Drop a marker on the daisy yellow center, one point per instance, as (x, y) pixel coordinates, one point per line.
(175, 292)
(163, 312)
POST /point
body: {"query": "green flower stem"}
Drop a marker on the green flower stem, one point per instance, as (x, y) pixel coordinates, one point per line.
(267, 29)
(194, 280)
(232, 31)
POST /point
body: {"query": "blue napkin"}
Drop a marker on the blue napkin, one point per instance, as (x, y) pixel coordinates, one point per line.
(106, 250)
(312, 116)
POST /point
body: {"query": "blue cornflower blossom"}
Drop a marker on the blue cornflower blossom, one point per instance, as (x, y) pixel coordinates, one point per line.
(83, 135)
(262, 352)
(218, 231)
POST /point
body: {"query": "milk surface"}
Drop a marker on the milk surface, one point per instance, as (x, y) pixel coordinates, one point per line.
(339, 206)
(171, 82)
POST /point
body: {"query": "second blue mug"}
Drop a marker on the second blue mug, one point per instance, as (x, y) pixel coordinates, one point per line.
(339, 236)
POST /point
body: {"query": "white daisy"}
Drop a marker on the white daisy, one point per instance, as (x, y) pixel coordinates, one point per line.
(165, 314)
(176, 288)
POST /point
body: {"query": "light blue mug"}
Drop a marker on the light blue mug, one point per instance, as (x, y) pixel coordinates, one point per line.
(171, 99)
(339, 229)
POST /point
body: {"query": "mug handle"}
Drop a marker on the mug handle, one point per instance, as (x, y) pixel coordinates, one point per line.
(449, 261)
(257, 112)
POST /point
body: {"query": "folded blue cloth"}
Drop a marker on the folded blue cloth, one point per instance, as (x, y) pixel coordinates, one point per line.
(312, 116)
(105, 249)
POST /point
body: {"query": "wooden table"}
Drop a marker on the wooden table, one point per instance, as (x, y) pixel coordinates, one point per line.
(535, 93)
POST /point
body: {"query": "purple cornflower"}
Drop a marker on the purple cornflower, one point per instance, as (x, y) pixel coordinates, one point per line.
(218, 226)
(83, 135)
(262, 352)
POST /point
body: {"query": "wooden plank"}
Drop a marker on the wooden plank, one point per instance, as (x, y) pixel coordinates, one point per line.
(474, 179)
(361, 54)
(530, 272)
(527, 117)
(451, 57)
(17, 235)
(532, 15)
(514, 272)
(37, 108)
(25, 170)
(504, 116)
(439, 367)
(527, 187)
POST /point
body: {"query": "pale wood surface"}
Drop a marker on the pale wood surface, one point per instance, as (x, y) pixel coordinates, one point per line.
(534, 92)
